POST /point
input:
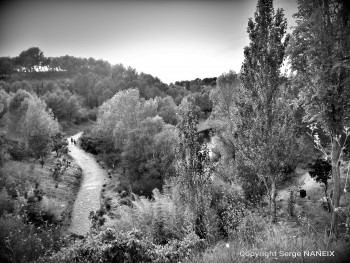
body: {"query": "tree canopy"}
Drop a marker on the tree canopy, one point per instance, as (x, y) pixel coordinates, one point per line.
(319, 54)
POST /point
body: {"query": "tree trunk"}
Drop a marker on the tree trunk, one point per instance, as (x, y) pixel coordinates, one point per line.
(327, 199)
(336, 151)
(273, 205)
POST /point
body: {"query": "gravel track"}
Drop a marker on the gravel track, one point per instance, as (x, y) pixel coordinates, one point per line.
(88, 198)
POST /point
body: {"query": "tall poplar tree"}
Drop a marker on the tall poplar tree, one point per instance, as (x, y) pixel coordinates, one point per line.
(265, 135)
(194, 171)
(320, 58)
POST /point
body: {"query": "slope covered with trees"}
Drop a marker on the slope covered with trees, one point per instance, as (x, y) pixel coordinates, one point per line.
(74, 87)
(172, 196)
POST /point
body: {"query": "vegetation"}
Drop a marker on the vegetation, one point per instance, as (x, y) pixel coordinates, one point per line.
(194, 173)
(319, 56)
(198, 171)
(34, 213)
(35, 200)
(321, 170)
(74, 87)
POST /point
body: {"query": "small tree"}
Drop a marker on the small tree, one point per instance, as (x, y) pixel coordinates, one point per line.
(58, 143)
(147, 157)
(4, 104)
(17, 109)
(321, 170)
(39, 146)
(39, 127)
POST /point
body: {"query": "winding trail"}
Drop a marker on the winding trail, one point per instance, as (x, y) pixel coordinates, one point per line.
(88, 198)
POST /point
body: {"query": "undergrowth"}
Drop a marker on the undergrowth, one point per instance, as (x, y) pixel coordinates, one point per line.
(258, 240)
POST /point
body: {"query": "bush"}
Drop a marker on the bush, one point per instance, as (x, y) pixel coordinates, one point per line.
(6, 204)
(145, 186)
(89, 143)
(82, 115)
(64, 125)
(132, 246)
(21, 242)
(111, 158)
(96, 218)
(251, 229)
(19, 152)
(3, 149)
(231, 211)
(30, 200)
(40, 215)
(96, 145)
(92, 113)
(161, 219)
(254, 190)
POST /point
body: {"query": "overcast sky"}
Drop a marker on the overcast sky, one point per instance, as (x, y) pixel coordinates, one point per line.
(173, 40)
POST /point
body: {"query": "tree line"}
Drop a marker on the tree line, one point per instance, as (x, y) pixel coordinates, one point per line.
(265, 120)
(261, 117)
(91, 82)
(265, 124)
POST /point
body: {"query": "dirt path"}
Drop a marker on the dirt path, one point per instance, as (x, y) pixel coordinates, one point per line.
(88, 198)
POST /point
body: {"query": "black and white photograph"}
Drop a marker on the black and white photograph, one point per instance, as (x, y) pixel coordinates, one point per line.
(174, 131)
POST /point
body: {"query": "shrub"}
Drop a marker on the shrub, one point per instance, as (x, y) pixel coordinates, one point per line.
(42, 213)
(21, 242)
(64, 125)
(92, 113)
(145, 186)
(82, 115)
(59, 143)
(132, 246)
(231, 211)
(3, 149)
(6, 204)
(96, 218)
(161, 219)
(111, 158)
(19, 152)
(30, 200)
(251, 229)
(96, 145)
(254, 190)
(89, 143)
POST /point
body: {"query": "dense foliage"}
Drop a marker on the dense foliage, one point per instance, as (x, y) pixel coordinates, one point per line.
(194, 173)
(132, 246)
(321, 170)
(319, 53)
(72, 87)
(252, 111)
(189, 163)
(131, 133)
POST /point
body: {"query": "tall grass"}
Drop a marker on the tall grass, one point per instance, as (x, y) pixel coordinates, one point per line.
(257, 240)
(160, 219)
